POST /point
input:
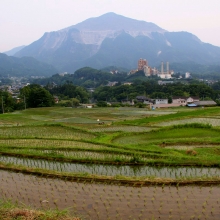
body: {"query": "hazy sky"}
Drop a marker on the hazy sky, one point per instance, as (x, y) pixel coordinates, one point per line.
(25, 21)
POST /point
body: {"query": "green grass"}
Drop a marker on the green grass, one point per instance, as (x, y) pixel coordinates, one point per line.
(200, 134)
(74, 140)
(55, 131)
(179, 115)
(11, 211)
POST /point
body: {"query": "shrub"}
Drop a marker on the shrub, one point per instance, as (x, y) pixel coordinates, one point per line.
(191, 152)
(193, 125)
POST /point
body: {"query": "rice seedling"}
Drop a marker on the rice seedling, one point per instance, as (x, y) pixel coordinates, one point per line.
(57, 145)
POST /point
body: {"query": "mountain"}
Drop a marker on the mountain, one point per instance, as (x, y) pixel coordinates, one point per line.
(115, 40)
(86, 77)
(14, 50)
(25, 66)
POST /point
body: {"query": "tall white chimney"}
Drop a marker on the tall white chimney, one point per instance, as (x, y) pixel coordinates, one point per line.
(162, 67)
(168, 68)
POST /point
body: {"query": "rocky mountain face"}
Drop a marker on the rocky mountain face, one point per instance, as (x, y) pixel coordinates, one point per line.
(114, 40)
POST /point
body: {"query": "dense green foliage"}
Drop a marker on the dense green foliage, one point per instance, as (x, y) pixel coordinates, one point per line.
(141, 85)
(152, 89)
(8, 104)
(69, 91)
(36, 96)
(197, 70)
(86, 77)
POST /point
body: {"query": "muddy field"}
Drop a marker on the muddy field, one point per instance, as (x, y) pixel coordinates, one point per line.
(103, 201)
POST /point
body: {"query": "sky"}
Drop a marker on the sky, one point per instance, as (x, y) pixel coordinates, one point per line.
(25, 21)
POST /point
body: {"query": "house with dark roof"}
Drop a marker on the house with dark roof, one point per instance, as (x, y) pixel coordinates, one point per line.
(127, 102)
(206, 103)
(144, 100)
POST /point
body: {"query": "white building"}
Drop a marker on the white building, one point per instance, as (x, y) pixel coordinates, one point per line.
(161, 101)
(187, 75)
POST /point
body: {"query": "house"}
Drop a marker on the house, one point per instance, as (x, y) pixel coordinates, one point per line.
(161, 101)
(56, 99)
(127, 102)
(183, 101)
(127, 83)
(144, 100)
(179, 100)
(160, 82)
(87, 105)
(111, 83)
(192, 100)
(206, 103)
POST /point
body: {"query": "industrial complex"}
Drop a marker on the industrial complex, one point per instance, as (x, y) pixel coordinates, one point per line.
(148, 71)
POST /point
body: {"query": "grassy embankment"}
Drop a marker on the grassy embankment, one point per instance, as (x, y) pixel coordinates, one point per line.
(11, 211)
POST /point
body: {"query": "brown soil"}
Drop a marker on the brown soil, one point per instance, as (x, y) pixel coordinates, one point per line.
(101, 201)
(26, 214)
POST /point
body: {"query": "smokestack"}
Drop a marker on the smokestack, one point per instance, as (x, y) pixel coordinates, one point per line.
(168, 68)
(161, 67)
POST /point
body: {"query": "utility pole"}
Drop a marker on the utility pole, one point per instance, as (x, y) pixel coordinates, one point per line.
(24, 103)
(2, 105)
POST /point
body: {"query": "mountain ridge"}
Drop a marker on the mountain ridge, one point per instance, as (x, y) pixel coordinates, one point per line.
(115, 40)
(14, 50)
(24, 67)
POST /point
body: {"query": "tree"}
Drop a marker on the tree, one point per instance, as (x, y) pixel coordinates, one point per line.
(68, 90)
(7, 103)
(37, 96)
(102, 104)
(75, 102)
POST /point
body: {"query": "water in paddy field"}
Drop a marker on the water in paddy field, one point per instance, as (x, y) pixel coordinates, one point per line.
(102, 201)
(113, 170)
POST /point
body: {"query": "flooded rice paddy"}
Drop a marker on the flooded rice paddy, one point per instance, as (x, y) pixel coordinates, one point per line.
(93, 201)
(114, 170)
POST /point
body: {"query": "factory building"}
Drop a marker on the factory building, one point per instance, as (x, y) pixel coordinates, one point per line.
(143, 65)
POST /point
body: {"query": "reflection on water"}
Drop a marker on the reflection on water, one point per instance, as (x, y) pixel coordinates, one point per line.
(113, 170)
(100, 201)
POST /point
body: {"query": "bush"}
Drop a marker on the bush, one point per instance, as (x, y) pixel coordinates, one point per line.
(193, 125)
(102, 104)
(191, 152)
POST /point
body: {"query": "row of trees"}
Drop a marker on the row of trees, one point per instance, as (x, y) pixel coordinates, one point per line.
(151, 89)
(34, 95)
(69, 91)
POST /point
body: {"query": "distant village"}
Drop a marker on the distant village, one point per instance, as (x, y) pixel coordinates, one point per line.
(176, 101)
(165, 75)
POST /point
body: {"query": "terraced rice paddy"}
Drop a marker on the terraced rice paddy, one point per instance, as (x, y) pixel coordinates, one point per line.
(168, 135)
(212, 121)
(121, 128)
(101, 201)
(190, 147)
(146, 169)
(39, 143)
(43, 132)
(113, 170)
